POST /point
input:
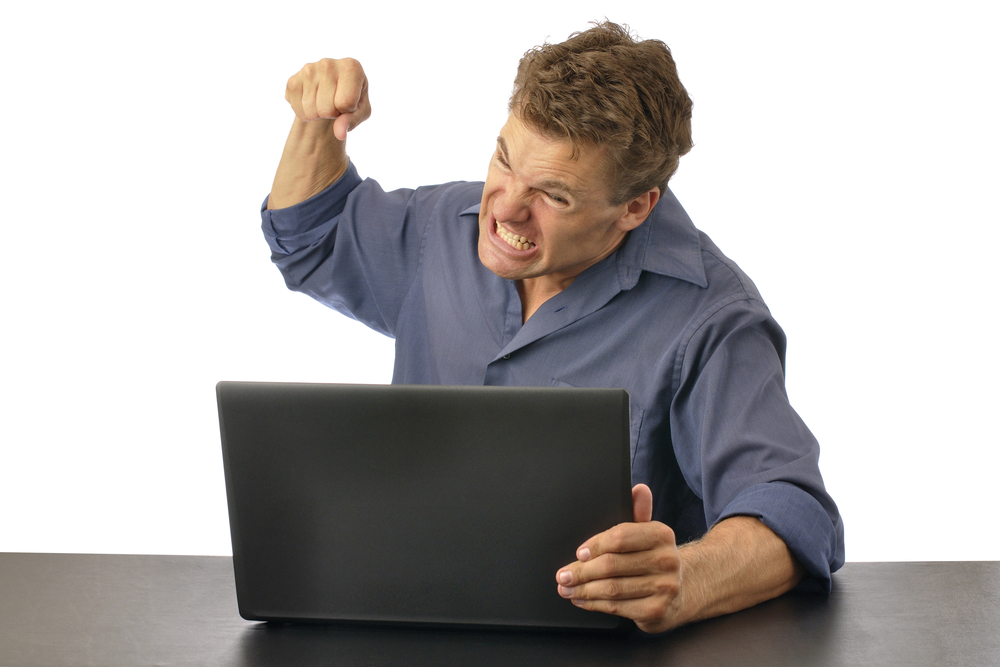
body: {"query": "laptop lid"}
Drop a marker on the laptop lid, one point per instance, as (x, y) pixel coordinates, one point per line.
(419, 504)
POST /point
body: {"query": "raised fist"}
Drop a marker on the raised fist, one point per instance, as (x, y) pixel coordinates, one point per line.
(331, 89)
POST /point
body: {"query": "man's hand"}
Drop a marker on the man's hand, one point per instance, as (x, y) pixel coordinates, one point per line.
(632, 570)
(637, 571)
(329, 98)
(331, 89)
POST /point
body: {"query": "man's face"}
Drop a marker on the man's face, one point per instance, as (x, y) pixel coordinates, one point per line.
(544, 214)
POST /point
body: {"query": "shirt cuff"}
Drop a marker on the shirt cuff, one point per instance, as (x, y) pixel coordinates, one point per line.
(306, 215)
(800, 520)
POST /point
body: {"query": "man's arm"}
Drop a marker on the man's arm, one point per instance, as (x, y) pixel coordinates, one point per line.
(637, 571)
(329, 98)
(337, 237)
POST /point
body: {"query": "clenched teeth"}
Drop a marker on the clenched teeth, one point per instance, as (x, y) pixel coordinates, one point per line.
(513, 240)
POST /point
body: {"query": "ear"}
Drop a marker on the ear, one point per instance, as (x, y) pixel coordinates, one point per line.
(637, 210)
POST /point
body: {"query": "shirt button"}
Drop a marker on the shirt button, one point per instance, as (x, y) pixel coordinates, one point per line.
(506, 356)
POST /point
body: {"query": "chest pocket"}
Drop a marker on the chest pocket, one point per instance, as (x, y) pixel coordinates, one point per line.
(635, 414)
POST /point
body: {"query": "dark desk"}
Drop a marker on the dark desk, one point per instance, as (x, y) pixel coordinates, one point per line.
(181, 610)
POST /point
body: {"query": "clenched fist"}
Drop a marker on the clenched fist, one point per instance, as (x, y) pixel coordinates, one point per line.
(331, 89)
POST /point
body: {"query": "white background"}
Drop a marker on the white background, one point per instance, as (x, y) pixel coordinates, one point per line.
(846, 157)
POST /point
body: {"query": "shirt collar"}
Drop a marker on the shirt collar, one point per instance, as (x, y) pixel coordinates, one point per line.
(666, 243)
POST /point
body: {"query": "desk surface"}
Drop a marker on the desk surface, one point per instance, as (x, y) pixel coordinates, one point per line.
(69, 609)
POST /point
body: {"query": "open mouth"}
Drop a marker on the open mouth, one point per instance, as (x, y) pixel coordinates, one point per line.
(513, 240)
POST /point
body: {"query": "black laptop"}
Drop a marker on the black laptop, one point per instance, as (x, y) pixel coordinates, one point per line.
(419, 504)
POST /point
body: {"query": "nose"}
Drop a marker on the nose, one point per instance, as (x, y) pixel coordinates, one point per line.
(512, 205)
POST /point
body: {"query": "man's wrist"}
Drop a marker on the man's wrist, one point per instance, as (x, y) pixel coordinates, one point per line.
(312, 160)
(737, 564)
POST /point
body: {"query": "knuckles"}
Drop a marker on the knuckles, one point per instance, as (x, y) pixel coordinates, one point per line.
(613, 589)
(326, 67)
(609, 564)
(326, 109)
(615, 538)
(328, 70)
(352, 67)
(668, 587)
(666, 560)
(656, 615)
(663, 532)
(323, 76)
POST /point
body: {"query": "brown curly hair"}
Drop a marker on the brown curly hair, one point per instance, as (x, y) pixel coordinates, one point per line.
(604, 87)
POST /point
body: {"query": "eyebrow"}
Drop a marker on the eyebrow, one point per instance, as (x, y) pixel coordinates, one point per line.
(548, 184)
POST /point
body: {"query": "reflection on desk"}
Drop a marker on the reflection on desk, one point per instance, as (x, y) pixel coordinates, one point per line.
(68, 609)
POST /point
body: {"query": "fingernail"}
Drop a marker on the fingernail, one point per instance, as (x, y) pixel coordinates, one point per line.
(583, 554)
(566, 578)
(566, 592)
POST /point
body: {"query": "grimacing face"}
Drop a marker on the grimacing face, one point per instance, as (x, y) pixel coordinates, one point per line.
(544, 215)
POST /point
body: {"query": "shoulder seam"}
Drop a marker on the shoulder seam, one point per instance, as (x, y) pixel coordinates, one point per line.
(728, 263)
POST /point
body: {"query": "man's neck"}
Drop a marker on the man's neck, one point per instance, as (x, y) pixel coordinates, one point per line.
(536, 291)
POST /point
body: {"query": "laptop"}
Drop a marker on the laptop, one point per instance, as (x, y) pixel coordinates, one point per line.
(415, 505)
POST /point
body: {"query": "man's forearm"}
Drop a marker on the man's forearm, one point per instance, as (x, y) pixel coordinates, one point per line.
(739, 563)
(313, 158)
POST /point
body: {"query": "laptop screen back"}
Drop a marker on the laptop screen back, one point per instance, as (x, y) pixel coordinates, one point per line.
(419, 504)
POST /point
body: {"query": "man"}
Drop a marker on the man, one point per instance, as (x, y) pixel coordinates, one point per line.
(573, 265)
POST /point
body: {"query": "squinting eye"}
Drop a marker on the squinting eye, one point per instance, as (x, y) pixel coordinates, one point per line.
(556, 198)
(501, 160)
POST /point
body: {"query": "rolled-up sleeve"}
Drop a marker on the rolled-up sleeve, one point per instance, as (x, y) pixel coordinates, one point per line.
(288, 230)
(753, 454)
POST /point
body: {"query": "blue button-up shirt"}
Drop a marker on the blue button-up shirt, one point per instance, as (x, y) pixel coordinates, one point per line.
(667, 317)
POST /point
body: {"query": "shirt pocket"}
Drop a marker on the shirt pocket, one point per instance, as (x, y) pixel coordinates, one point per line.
(635, 414)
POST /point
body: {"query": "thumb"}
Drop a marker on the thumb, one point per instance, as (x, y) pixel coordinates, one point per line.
(642, 503)
(342, 125)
